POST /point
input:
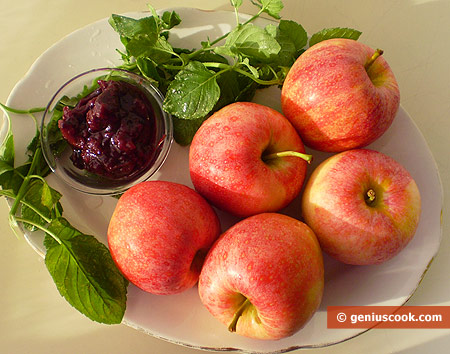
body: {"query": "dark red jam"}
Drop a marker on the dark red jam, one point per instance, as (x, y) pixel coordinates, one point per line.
(112, 130)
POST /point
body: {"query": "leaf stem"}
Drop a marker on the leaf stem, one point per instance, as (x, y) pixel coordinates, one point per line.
(47, 220)
(37, 177)
(20, 194)
(24, 185)
(8, 195)
(173, 67)
(13, 225)
(259, 81)
(40, 227)
(217, 65)
(22, 111)
(236, 13)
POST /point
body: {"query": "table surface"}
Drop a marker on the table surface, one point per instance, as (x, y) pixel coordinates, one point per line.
(414, 35)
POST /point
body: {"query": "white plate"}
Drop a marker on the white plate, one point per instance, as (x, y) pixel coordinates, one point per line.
(181, 318)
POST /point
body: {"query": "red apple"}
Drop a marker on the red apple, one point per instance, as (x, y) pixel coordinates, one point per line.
(363, 206)
(339, 95)
(264, 277)
(159, 235)
(247, 159)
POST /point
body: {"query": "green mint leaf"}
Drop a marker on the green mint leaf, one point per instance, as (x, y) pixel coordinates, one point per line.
(12, 179)
(150, 46)
(153, 12)
(7, 154)
(9, 179)
(170, 19)
(250, 41)
(185, 129)
(166, 22)
(129, 27)
(49, 196)
(271, 7)
(9, 193)
(73, 101)
(67, 101)
(210, 56)
(85, 274)
(55, 138)
(193, 92)
(148, 69)
(140, 44)
(225, 50)
(292, 38)
(5, 167)
(34, 152)
(229, 89)
(247, 88)
(34, 144)
(7, 146)
(161, 52)
(52, 130)
(236, 3)
(336, 32)
(293, 32)
(233, 87)
(252, 69)
(42, 198)
(29, 214)
(272, 30)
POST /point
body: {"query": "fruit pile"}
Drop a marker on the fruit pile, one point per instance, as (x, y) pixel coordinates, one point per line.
(264, 276)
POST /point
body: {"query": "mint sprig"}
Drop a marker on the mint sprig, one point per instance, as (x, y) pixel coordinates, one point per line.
(84, 273)
(335, 32)
(196, 88)
(81, 267)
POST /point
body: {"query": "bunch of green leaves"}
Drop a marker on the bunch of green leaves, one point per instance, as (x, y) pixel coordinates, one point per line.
(197, 82)
(81, 266)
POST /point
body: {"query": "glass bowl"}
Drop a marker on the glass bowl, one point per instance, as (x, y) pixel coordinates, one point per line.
(58, 152)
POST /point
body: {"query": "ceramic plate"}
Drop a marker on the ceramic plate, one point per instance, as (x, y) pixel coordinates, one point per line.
(182, 318)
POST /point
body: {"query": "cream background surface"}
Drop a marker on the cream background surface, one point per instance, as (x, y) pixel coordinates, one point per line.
(414, 35)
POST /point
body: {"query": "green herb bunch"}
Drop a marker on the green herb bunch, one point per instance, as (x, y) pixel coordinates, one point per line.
(81, 266)
(197, 82)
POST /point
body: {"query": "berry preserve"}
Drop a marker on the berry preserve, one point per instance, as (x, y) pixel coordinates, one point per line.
(112, 131)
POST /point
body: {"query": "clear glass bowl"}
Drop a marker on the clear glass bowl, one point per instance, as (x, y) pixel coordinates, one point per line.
(57, 152)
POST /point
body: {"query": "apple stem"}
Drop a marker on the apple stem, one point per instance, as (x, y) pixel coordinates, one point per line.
(370, 196)
(374, 57)
(238, 314)
(306, 157)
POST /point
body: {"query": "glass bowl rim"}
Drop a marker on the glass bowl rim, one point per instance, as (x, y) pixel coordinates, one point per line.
(144, 175)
